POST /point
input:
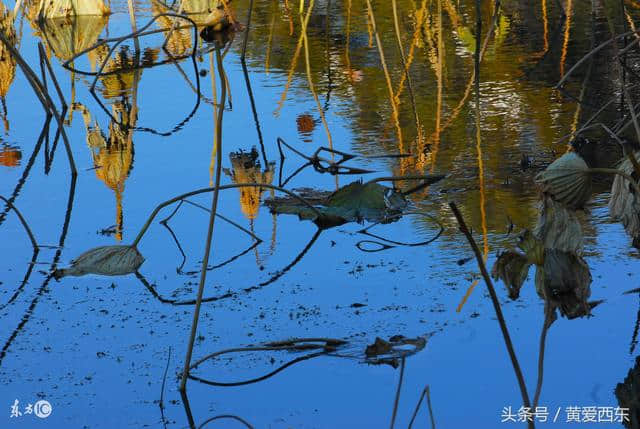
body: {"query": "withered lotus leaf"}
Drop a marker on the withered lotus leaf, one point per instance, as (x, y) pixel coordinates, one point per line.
(104, 260)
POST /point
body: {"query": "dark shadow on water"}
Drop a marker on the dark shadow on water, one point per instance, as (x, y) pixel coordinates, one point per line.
(44, 286)
(152, 289)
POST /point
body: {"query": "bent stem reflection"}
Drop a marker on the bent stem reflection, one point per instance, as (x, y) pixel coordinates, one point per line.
(278, 274)
(54, 263)
(425, 393)
(43, 97)
(213, 189)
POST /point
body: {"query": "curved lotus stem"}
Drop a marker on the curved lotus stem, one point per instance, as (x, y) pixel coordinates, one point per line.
(220, 188)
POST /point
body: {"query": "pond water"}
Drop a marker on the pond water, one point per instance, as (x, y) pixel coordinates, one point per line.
(97, 348)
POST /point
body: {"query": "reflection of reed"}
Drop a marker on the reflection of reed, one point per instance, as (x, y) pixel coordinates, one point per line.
(303, 23)
(7, 62)
(545, 23)
(269, 42)
(292, 69)
(289, 16)
(467, 92)
(567, 34)
(392, 99)
(439, 78)
(347, 49)
(483, 211)
(420, 17)
(406, 74)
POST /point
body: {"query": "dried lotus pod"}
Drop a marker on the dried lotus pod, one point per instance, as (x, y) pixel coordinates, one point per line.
(104, 260)
(567, 180)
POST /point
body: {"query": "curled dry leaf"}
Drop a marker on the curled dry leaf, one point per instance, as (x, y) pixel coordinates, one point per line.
(105, 260)
(564, 281)
(512, 268)
(567, 180)
(558, 228)
(624, 203)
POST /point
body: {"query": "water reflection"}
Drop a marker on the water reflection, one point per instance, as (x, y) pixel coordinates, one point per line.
(113, 154)
(10, 156)
(7, 62)
(245, 168)
(478, 105)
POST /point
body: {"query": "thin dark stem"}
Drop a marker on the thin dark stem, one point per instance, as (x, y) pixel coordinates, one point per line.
(634, 337)
(548, 319)
(212, 217)
(496, 307)
(415, 412)
(255, 112)
(246, 34)
(428, 393)
(397, 400)
(43, 96)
